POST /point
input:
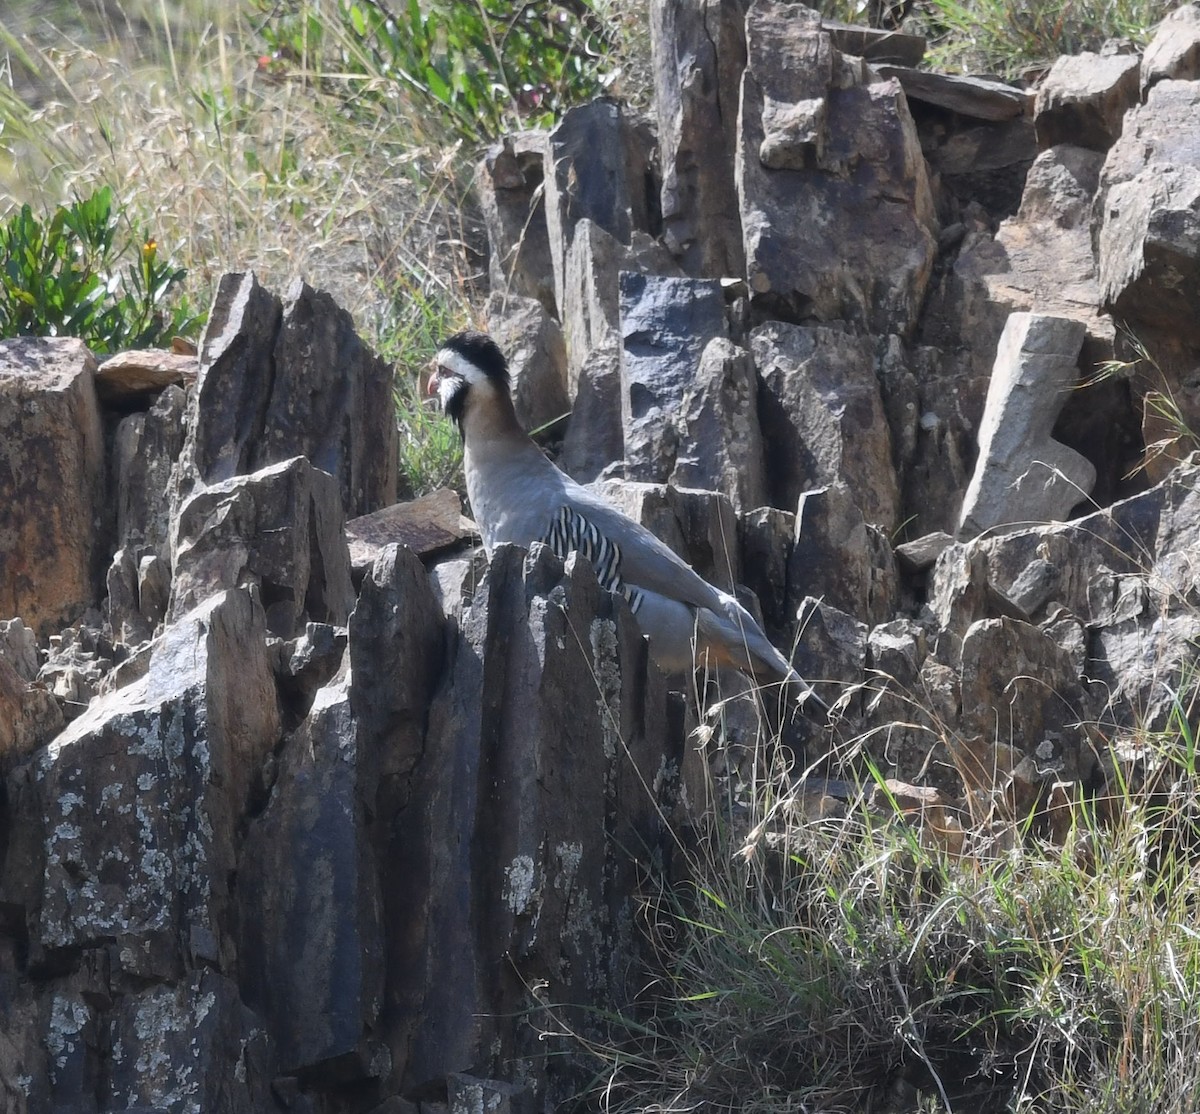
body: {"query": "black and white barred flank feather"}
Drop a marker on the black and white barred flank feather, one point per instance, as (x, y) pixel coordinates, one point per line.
(570, 531)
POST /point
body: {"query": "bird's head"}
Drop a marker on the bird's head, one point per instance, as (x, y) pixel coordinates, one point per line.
(468, 364)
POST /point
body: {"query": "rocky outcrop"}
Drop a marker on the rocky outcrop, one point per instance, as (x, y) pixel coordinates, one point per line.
(289, 823)
(52, 483)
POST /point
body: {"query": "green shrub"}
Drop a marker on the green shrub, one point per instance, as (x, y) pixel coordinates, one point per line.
(60, 277)
(478, 68)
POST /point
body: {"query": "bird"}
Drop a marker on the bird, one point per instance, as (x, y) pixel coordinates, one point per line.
(519, 496)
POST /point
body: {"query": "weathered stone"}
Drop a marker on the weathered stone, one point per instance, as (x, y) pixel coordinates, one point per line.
(719, 445)
(1021, 689)
(426, 525)
(468, 1094)
(29, 716)
(1174, 52)
(125, 617)
(933, 400)
(1022, 474)
(822, 417)
(665, 325)
(1126, 573)
(700, 526)
(765, 536)
(192, 1046)
(310, 925)
(595, 437)
(1148, 215)
(510, 188)
(79, 657)
(841, 559)
(537, 358)
(978, 97)
(591, 298)
(312, 933)
(280, 528)
(1083, 99)
(876, 45)
(136, 379)
(52, 482)
(145, 449)
(895, 653)
(831, 651)
(976, 164)
(819, 152)
(597, 169)
(143, 795)
(18, 646)
(511, 764)
(455, 580)
(921, 553)
(699, 50)
(279, 380)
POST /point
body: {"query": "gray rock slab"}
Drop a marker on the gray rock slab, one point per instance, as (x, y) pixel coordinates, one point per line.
(1022, 474)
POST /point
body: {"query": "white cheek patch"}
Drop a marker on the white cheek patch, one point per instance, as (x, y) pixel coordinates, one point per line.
(448, 386)
(459, 365)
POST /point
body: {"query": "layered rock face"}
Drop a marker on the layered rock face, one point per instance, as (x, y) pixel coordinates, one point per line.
(289, 824)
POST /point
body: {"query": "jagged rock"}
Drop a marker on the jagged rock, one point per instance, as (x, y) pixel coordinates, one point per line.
(896, 650)
(136, 379)
(18, 647)
(1148, 215)
(595, 437)
(280, 528)
(548, 806)
(719, 445)
(1083, 100)
(1019, 688)
(1124, 573)
(975, 164)
(876, 45)
(921, 553)
(591, 296)
(189, 1046)
(142, 796)
(699, 52)
(455, 580)
(52, 482)
(310, 926)
(468, 1094)
(822, 417)
(1022, 474)
(700, 526)
(933, 400)
(278, 380)
(510, 188)
(820, 146)
(125, 618)
(597, 169)
(981, 98)
(312, 935)
(840, 558)
(1174, 52)
(665, 325)
(79, 657)
(831, 650)
(537, 358)
(765, 542)
(145, 449)
(29, 716)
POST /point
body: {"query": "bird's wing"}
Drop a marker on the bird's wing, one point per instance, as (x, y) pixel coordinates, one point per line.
(645, 561)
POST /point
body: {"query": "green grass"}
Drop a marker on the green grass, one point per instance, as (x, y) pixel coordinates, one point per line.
(1014, 38)
(836, 962)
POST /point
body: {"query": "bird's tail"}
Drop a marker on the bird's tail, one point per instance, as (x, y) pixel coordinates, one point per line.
(733, 637)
